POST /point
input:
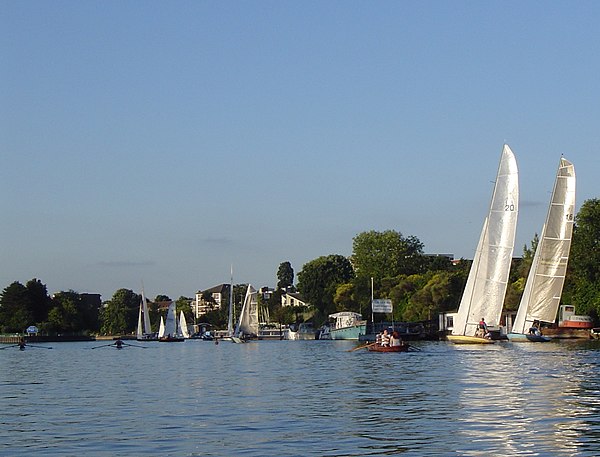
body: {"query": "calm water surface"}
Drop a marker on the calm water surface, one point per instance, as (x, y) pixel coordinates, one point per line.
(300, 398)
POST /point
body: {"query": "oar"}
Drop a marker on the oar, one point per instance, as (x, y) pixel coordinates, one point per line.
(34, 346)
(11, 346)
(104, 345)
(362, 347)
(134, 345)
(415, 348)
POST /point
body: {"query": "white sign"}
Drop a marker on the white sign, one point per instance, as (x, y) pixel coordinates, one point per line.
(381, 305)
(32, 329)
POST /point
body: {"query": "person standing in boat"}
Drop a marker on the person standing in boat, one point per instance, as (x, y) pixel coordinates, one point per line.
(482, 329)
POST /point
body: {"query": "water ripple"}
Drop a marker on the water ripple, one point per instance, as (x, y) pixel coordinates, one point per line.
(301, 399)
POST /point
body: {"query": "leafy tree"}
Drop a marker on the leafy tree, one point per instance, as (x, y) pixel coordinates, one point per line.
(285, 276)
(120, 313)
(39, 301)
(387, 254)
(184, 304)
(319, 279)
(428, 301)
(67, 313)
(583, 286)
(15, 309)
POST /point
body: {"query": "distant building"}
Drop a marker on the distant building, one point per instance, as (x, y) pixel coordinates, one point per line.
(292, 299)
(93, 300)
(266, 292)
(210, 299)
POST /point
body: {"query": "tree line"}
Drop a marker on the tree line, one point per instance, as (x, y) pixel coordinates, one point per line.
(420, 286)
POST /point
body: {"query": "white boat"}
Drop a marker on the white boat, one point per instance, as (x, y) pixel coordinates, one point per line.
(144, 330)
(346, 325)
(170, 333)
(543, 289)
(488, 278)
(247, 326)
(303, 331)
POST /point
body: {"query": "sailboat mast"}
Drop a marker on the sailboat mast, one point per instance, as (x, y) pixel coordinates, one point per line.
(230, 321)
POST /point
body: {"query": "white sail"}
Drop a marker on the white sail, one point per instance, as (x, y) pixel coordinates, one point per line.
(543, 289)
(140, 331)
(147, 327)
(171, 321)
(161, 328)
(183, 328)
(488, 278)
(248, 321)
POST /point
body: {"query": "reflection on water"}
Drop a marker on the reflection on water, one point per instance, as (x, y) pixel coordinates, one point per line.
(301, 398)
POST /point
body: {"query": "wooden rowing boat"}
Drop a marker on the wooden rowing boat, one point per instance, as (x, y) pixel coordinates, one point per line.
(377, 348)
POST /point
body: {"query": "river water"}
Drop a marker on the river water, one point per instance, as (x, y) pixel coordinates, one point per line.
(300, 398)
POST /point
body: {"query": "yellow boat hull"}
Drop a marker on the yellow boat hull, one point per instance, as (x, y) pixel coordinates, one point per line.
(462, 339)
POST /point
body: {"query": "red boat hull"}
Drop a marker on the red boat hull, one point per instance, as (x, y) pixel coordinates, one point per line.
(401, 348)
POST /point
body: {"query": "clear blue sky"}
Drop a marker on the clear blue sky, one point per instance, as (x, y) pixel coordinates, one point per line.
(164, 141)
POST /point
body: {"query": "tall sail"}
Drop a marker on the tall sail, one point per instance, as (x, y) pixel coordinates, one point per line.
(248, 322)
(488, 278)
(147, 327)
(161, 328)
(140, 330)
(543, 289)
(183, 328)
(171, 321)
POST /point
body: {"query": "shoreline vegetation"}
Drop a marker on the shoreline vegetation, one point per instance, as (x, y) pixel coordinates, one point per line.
(386, 264)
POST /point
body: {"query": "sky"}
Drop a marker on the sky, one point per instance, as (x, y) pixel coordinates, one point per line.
(161, 143)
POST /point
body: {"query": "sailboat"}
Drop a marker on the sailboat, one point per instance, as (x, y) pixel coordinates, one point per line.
(170, 333)
(543, 289)
(247, 326)
(182, 328)
(488, 278)
(144, 330)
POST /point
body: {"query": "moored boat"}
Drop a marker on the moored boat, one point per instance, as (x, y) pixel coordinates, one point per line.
(168, 332)
(568, 319)
(247, 326)
(346, 325)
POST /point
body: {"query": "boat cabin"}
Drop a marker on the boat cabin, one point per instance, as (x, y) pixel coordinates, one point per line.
(568, 319)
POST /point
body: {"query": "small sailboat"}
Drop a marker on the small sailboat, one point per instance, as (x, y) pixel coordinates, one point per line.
(182, 326)
(488, 278)
(543, 289)
(144, 330)
(247, 326)
(170, 333)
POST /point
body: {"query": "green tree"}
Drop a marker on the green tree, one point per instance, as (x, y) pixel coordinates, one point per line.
(184, 304)
(430, 300)
(39, 301)
(15, 309)
(319, 279)
(387, 254)
(120, 313)
(67, 313)
(583, 282)
(285, 275)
